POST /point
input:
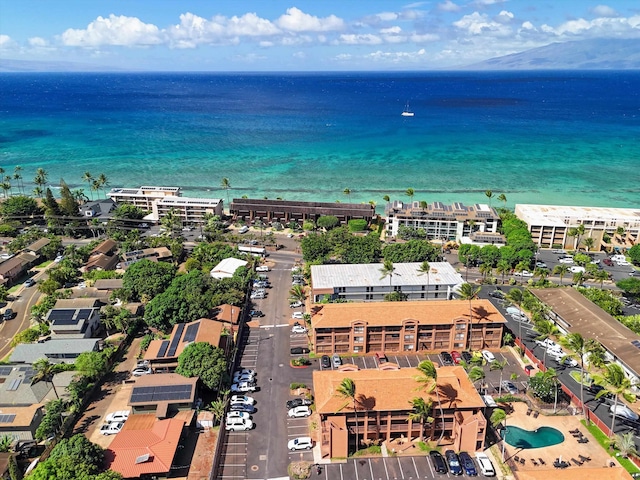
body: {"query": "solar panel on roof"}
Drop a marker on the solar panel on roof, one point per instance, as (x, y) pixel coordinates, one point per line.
(63, 317)
(192, 332)
(163, 348)
(84, 313)
(176, 339)
(13, 386)
(4, 371)
(161, 393)
(7, 417)
(142, 458)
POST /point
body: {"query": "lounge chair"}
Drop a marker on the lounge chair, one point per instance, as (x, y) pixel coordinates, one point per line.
(535, 414)
(584, 459)
(529, 411)
(583, 440)
(516, 459)
(522, 461)
(578, 463)
(542, 462)
(535, 464)
(577, 430)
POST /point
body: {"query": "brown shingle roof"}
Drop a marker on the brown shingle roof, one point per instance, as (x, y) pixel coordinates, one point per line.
(108, 284)
(105, 247)
(392, 389)
(38, 244)
(394, 313)
(209, 331)
(227, 313)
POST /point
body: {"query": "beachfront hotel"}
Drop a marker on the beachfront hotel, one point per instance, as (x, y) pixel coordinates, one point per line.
(550, 224)
(144, 196)
(476, 224)
(433, 326)
(363, 282)
(383, 408)
(283, 211)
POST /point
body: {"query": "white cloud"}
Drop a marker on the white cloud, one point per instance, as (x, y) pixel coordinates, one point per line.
(598, 27)
(114, 30)
(396, 57)
(362, 39)
(448, 6)
(604, 11)
(299, 55)
(480, 24)
(295, 20)
(343, 57)
(424, 38)
(387, 16)
(504, 17)
(391, 30)
(484, 3)
(5, 41)
(266, 44)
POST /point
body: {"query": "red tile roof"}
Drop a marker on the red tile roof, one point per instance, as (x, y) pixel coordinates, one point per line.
(142, 435)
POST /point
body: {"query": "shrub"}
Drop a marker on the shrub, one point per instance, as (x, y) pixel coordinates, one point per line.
(357, 225)
(296, 385)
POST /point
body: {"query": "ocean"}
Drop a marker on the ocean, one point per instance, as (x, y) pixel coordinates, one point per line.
(568, 138)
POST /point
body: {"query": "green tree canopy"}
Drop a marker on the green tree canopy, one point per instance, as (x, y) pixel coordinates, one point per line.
(203, 360)
(91, 364)
(634, 254)
(19, 206)
(357, 225)
(629, 285)
(411, 251)
(328, 222)
(127, 211)
(145, 279)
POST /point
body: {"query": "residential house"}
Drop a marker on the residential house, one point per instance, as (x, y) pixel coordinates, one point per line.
(227, 313)
(38, 246)
(158, 254)
(11, 269)
(55, 350)
(103, 257)
(227, 267)
(163, 394)
(163, 354)
(101, 209)
(74, 322)
(406, 326)
(382, 409)
(364, 282)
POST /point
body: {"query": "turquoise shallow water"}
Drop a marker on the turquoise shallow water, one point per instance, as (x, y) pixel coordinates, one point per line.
(556, 138)
(527, 439)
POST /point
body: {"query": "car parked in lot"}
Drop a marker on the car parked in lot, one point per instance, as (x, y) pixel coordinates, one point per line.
(297, 315)
(296, 304)
(447, 359)
(242, 399)
(325, 361)
(300, 443)
(466, 356)
(298, 329)
(298, 402)
(439, 465)
(497, 294)
(243, 377)
(467, 464)
(577, 269)
(111, 428)
(488, 356)
(541, 265)
(486, 467)
(238, 424)
(624, 412)
(241, 407)
(567, 260)
(256, 313)
(299, 412)
(336, 360)
(454, 462)
(509, 387)
(262, 268)
(243, 387)
(299, 350)
(141, 370)
(608, 262)
(523, 273)
(119, 416)
(237, 414)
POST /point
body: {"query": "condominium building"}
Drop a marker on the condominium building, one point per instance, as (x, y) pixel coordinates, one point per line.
(251, 209)
(143, 197)
(609, 227)
(190, 210)
(406, 326)
(365, 282)
(382, 409)
(443, 222)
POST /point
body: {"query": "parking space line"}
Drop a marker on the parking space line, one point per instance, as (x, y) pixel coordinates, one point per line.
(400, 467)
(384, 463)
(355, 468)
(371, 469)
(430, 467)
(341, 475)
(415, 467)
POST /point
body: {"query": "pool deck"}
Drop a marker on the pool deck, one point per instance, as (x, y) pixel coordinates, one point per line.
(598, 468)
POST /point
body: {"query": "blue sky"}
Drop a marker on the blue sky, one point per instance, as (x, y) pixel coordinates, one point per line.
(300, 35)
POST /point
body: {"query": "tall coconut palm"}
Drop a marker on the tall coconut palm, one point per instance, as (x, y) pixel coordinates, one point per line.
(545, 329)
(226, 185)
(614, 381)
(601, 276)
(551, 375)
(542, 273)
(589, 242)
(428, 380)
(386, 198)
(424, 269)
(388, 270)
(521, 267)
(579, 278)
(561, 270)
(489, 195)
(469, 292)
(498, 365)
(104, 182)
(576, 232)
(579, 348)
(497, 417)
(502, 268)
(476, 374)
(410, 192)
(503, 198)
(44, 370)
(421, 413)
(347, 192)
(347, 390)
(87, 177)
(297, 293)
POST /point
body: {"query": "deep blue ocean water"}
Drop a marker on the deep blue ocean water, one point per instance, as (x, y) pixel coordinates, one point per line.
(538, 137)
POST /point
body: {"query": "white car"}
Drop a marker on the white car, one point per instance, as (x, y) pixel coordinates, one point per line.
(523, 273)
(237, 414)
(623, 411)
(245, 371)
(262, 268)
(486, 467)
(296, 304)
(111, 428)
(238, 424)
(568, 362)
(577, 269)
(243, 387)
(488, 356)
(566, 260)
(119, 416)
(141, 370)
(242, 399)
(243, 377)
(297, 315)
(300, 443)
(299, 412)
(623, 263)
(58, 259)
(298, 329)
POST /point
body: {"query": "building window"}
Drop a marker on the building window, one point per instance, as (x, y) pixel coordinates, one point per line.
(358, 329)
(357, 349)
(369, 289)
(459, 336)
(368, 296)
(409, 338)
(358, 339)
(342, 289)
(408, 348)
(461, 326)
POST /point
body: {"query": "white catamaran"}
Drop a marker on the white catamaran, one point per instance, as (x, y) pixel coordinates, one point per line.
(407, 112)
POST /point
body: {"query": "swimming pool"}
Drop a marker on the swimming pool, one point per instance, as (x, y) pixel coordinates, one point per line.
(538, 438)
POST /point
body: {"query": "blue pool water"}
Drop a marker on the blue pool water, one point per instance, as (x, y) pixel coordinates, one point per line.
(541, 437)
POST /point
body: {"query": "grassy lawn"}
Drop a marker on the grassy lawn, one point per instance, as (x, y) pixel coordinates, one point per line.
(44, 264)
(575, 375)
(14, 288)
(603, 440)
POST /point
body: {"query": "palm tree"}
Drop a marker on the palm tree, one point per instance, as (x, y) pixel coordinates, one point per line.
(589, 242)
(489, 195)
(469, 292)
(424, 269)
(503, 198)
(217, 407)
(44, 370)
(576, 232)
(601, 276)
(498, 365)
(38, 192)
(550, 374)
(545, 329)
(497, 417)
(577, 344)
(102, 179)
(386, 198)
(428, 380)
(502, 268)
(543, 273)
(387, 271)
(297, 293)
(476, 374)
(626, 444)
(5, 186)
(226, 185)
(87, 177)
(5, 443)
(561, 270)
(347, 390)
(347, 192)
(614, 381)
(486, 270)
(410, 192)
(521, 267)
(17, 175)
(579, 278)
(421, 410)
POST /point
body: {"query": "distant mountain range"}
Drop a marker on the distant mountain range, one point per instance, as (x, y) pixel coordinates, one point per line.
(597, 54)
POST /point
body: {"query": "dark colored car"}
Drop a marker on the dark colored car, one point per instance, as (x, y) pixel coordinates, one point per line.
(439, 465)
(325, 361)
(468, 465)
(298, 402)
(8, 314)
(256, 313)
(239, 407)
(608, 262)
(454, 462)
(447, 359)
(466, 356)
(496, 294)
(456, 357)
(299, 350)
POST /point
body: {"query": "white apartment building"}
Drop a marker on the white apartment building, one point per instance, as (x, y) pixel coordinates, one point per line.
(143, 197)
(443, 222)
(190, 210)
(549, 225)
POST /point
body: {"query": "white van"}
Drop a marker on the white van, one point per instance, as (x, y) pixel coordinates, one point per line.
(486, 467)
(243, 229)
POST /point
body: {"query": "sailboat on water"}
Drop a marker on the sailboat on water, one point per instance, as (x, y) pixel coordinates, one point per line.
(407, 112)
